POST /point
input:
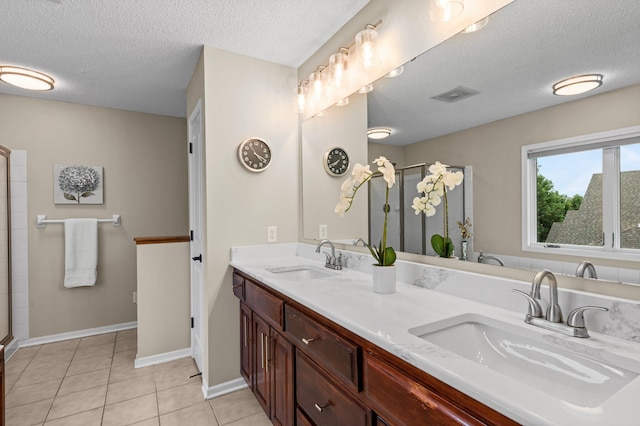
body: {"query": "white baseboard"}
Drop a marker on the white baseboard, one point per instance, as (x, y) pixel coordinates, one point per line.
(222, 388)
(77, 334)
(10, 349)
(160, 358)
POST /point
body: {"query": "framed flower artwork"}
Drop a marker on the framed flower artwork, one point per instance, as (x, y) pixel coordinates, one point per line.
(77, 184)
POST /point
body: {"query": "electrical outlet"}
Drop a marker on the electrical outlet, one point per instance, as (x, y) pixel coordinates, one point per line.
(322, 234)
(135, 297)
(272, 234)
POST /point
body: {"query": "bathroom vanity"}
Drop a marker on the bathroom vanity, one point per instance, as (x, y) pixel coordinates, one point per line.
(318, 347)
(338, 377)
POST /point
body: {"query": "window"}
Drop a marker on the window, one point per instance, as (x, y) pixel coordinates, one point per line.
(581, 195)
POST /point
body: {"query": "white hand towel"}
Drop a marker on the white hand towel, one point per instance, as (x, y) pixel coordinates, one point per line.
(81, 252)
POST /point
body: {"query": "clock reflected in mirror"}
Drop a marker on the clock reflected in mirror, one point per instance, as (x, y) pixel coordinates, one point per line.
(336, 161)
(254, 154)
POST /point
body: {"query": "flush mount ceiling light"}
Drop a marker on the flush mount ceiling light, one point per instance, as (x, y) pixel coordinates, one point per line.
(477, 26)
(445, 10)
(577, 85)
(25, 78)
(378, 132)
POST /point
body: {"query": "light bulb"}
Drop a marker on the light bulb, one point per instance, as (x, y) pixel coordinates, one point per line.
(445, 10)
(316, 81)
(366, 47)
(338, 64)
(302, 96)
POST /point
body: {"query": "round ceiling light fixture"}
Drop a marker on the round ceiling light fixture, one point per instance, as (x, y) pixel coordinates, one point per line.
(25, 78)
(577, 85)
(378, 132)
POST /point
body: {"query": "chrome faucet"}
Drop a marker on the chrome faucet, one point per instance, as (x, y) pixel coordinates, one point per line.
(332, 262)
(554, 313)
(552, 320)
(483, 259)
(585, 266)
(360, 240)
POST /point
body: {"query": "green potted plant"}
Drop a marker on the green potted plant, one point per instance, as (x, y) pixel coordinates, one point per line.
(434, 192)
(384, 255)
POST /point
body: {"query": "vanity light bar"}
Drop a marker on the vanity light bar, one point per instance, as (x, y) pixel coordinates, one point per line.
(336, 73)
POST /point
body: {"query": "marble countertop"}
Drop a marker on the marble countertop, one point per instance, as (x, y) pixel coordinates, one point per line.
(347, 299)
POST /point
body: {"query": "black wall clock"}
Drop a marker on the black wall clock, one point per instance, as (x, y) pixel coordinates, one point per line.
(254, 154)
(336, 161)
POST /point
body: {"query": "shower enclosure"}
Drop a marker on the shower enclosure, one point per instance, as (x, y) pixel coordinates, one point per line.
(406, 231)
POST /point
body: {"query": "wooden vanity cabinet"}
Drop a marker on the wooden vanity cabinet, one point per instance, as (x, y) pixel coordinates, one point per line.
(402, 400)
(266, 357)
(324, 402)
(307, 370)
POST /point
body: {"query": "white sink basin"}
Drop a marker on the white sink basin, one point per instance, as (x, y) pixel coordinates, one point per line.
(301, 272)
(563, 372)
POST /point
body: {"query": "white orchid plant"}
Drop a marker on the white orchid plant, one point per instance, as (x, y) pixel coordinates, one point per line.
(385, 256)
(434, 189)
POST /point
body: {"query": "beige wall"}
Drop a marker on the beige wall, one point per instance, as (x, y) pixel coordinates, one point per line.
(164, 307)
(395, 154)
(145, 180)
(243, 97)
(494, 151)
(346, 127)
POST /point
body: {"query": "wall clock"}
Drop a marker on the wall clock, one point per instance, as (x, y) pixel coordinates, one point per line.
(254, 154)
(336, 161)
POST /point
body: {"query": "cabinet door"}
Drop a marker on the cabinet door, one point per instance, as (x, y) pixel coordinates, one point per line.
(261, 382)
(282, 378)
(246, 340)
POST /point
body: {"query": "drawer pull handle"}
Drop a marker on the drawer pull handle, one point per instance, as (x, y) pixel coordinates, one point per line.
(307, 341)
(237, 285)
(322, 407)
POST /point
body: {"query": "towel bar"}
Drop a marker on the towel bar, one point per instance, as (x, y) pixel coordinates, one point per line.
(41, 220)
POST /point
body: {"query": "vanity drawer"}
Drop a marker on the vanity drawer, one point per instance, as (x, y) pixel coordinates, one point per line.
(265, 304)
(322, 401)
(337, 355)
(238, 286)
(402, 400)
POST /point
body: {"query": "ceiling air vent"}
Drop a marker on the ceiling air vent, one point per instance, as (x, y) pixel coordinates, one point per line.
(456, 94)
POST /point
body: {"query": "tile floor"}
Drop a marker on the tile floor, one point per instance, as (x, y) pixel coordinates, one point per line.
(91, 381)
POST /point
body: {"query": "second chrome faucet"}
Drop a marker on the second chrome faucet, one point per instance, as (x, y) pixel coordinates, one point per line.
(552, 320)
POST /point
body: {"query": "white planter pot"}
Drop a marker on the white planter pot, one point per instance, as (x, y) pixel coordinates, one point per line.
(384, 279)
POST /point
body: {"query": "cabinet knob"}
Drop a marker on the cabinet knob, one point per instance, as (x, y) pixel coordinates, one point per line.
(322, 407)
(307, 341)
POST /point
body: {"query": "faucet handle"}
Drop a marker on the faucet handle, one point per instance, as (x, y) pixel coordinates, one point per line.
(534, 307)
(576, 317)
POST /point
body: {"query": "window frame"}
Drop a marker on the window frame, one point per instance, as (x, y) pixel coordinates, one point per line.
(611, 201)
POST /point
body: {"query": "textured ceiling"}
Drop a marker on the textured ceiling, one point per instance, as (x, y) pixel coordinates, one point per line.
(139, 55)
(527, 47)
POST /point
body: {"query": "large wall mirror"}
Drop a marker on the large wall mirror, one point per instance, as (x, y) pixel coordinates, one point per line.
(5, 249)
(508, 68)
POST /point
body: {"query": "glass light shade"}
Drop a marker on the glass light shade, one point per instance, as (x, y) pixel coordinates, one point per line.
(338, 65)
(378, 132)
(445, 10)
(317, 82)
(396, 72)
(366, 89)
(343, 102)
(25, 78)
(577, 85)
(366, 48)
(302, 95)
(477, 26)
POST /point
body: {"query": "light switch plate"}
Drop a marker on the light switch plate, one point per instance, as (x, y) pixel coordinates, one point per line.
(322, 234)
